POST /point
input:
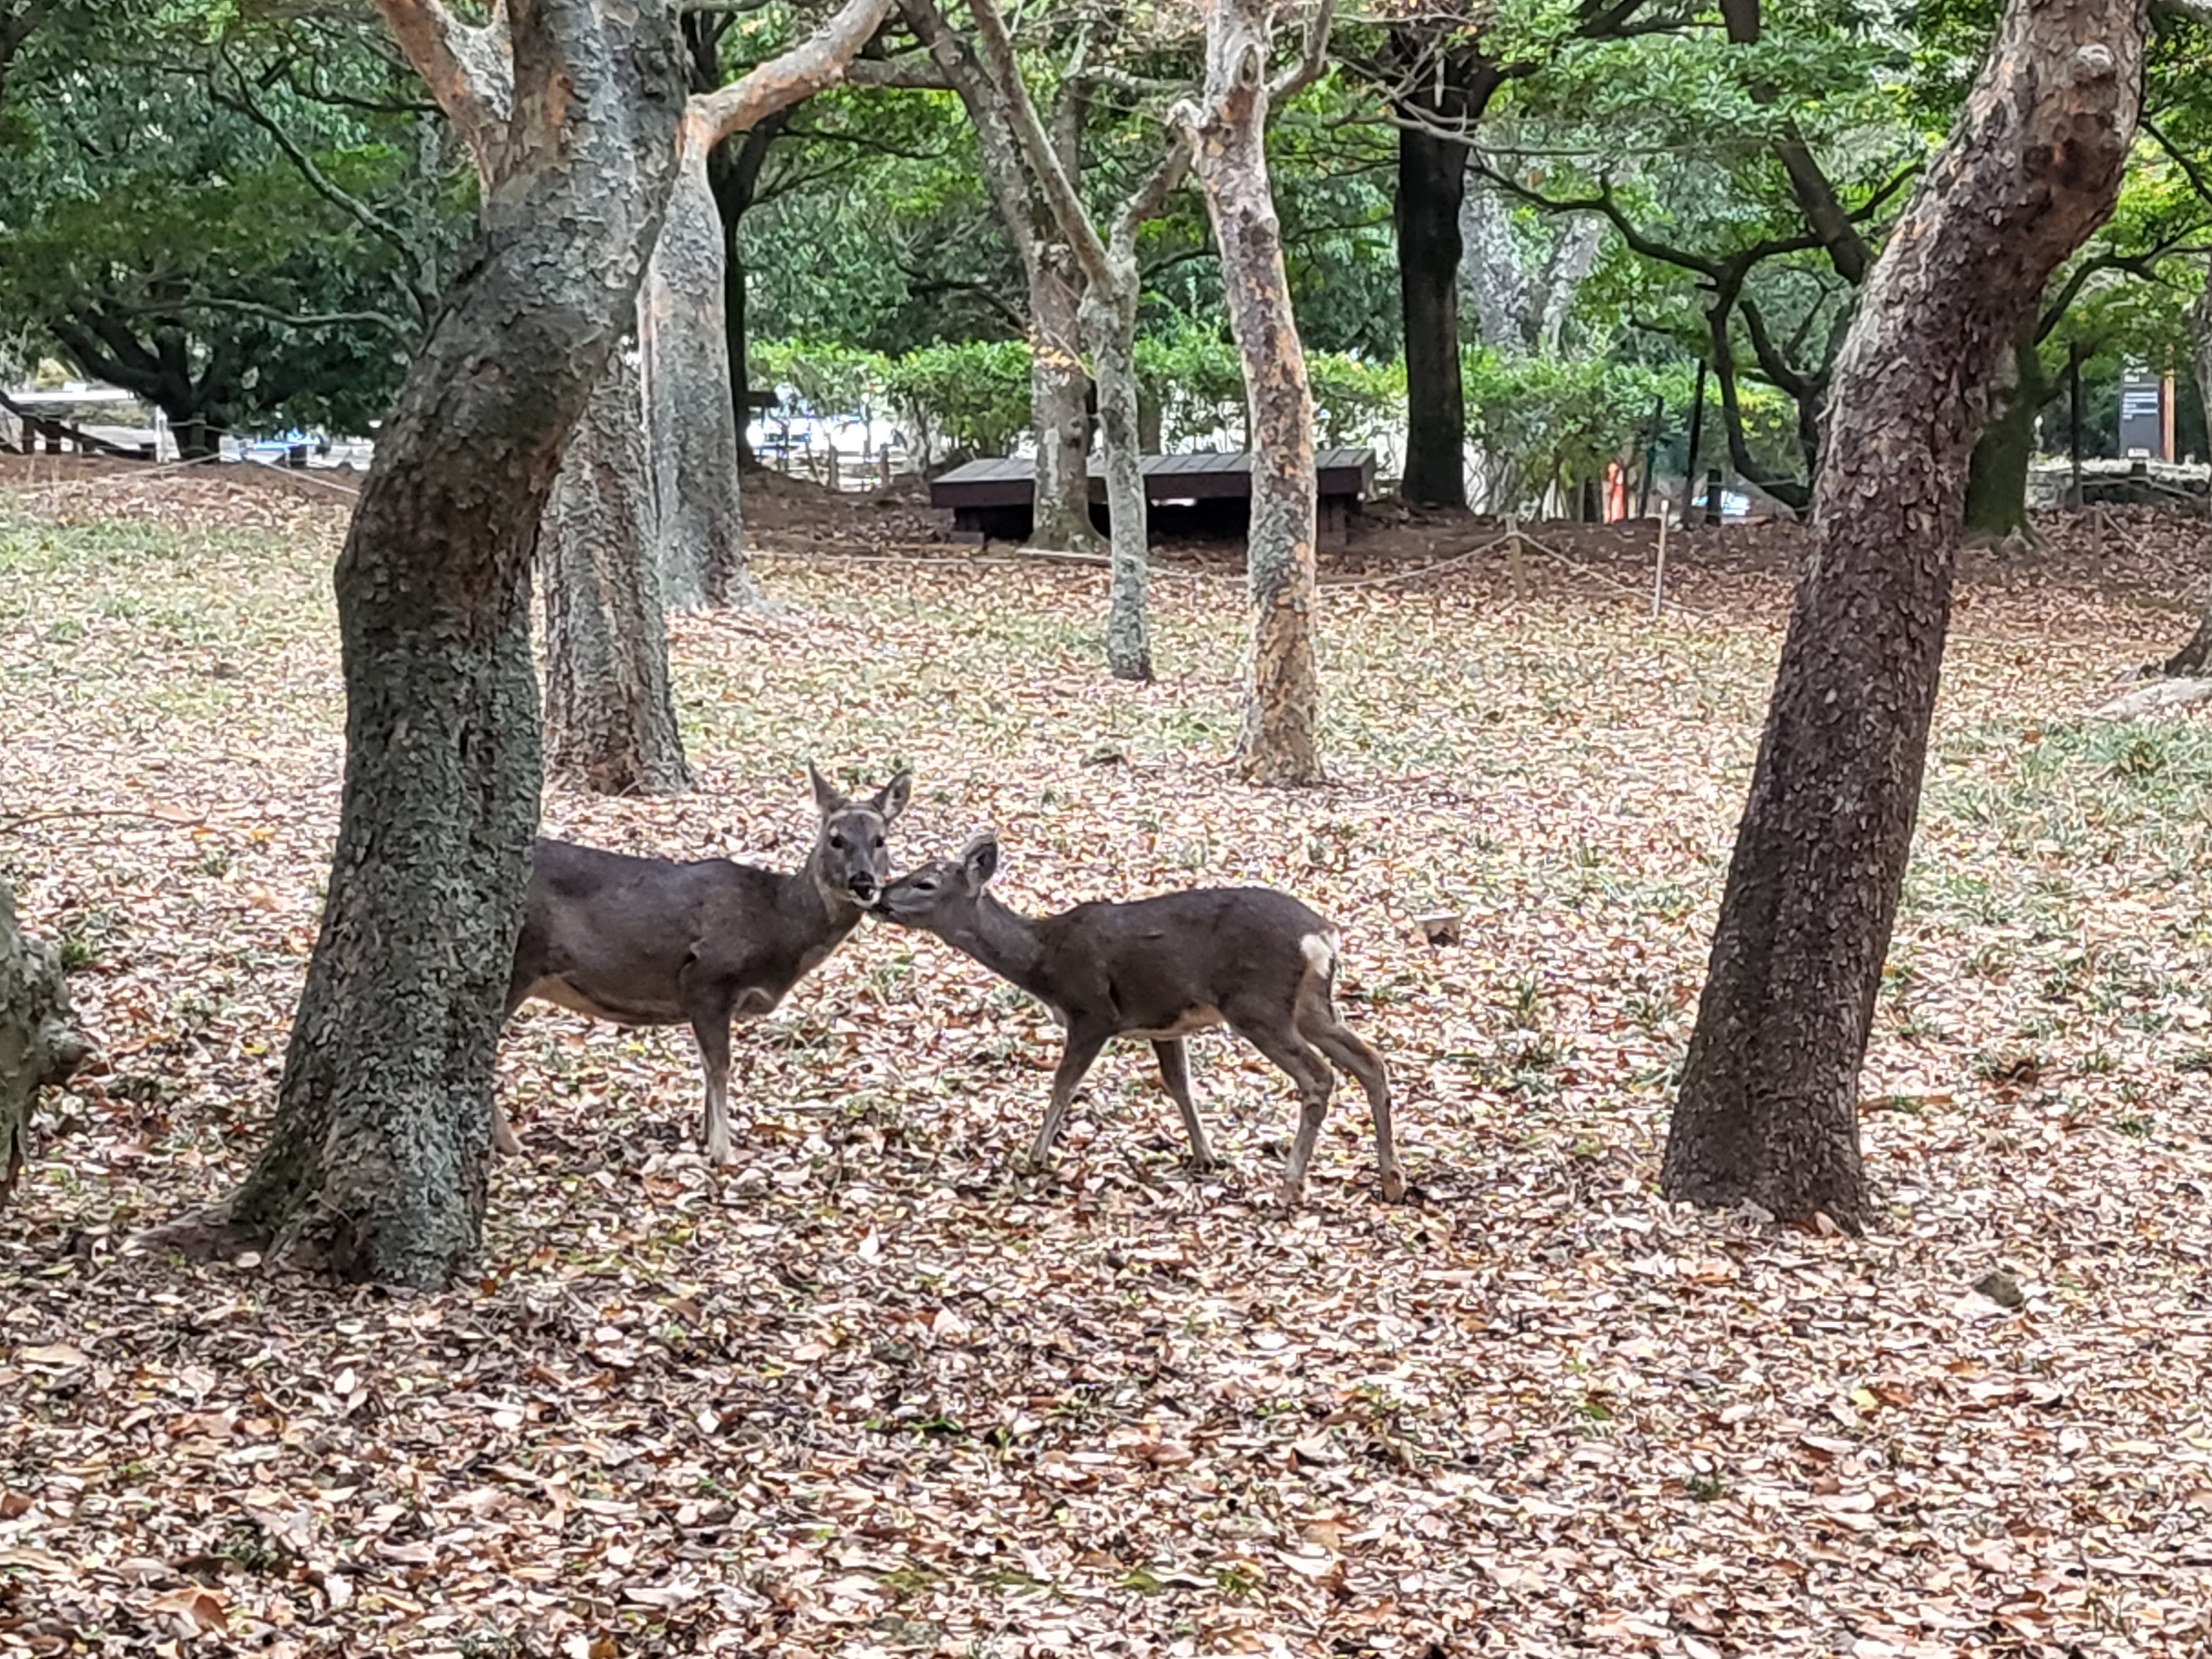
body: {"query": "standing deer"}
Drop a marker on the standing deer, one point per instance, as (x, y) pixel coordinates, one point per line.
(1250, 958)
(651, 942)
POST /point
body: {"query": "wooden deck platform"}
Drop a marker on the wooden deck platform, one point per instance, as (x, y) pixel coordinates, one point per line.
(993, 497)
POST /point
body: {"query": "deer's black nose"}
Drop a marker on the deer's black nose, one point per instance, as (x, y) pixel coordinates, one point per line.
(864, 888)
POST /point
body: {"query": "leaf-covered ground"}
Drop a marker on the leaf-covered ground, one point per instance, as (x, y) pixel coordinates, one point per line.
(870, 1392)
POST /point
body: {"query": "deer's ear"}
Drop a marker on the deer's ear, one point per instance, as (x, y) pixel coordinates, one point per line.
(827, 798)
(979, 861)
(892, 801)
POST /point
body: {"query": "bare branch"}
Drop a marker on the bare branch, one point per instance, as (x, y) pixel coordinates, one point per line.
(814, 64)
(420, 291)
(1313, 56)
(406, 335)
(915, 70)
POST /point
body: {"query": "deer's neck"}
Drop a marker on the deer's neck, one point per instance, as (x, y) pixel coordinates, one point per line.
(1006, 943)
(809, 894)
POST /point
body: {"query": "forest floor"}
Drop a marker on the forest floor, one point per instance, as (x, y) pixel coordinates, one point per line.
(868, 1392)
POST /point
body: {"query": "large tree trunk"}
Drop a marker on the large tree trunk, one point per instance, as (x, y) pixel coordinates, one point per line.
(690, 425)
(609, 713)
(375, 1164)
(1767, 1108)
(1280, 742)
(39, 1044)
(1432, 173)
(1997, 472)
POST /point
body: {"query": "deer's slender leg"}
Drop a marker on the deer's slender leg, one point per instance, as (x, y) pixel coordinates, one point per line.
(1174, 1071)
(503, 1133)
(1278, 1038)
(1346, 1046)
(710, 1024)
(1082, 1051)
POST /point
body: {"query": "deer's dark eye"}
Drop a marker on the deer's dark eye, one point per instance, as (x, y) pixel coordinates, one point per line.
(880, 843)
(837, 842)
(925, 887)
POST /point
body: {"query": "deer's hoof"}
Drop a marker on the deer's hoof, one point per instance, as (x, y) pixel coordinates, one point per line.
(1393, 1186)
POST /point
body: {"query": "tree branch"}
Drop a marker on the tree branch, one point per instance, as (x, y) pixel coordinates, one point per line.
(815, 63)
(1313, 55)
(419, 292)
(915, 70)
(467, 69)
(408, 336)
(1058, 190)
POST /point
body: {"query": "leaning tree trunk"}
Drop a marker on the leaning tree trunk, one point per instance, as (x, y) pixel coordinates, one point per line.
(376, 1165)
(1767, 1108)
(1280, 743)
(609, 713)
(39, 1047)
(1059, 399)
(691, 419)
(1997, 472)
(1431, 172)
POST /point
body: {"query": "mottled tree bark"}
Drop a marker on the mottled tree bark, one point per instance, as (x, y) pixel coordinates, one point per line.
(1767, 1110)
(376, 1161)
(677, 423)
(690, 421)
(1280, 743)
(609, 713)
(40, 1046)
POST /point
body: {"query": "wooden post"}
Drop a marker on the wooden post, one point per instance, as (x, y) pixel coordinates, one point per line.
(2074, 416)
(1513, 559)
(1659, 570)
(1712, 494)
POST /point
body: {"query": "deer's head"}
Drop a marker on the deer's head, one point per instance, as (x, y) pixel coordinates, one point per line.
(850, 861)
(943, 893)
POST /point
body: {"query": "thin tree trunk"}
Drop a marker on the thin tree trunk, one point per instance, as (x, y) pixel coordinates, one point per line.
(39, 1045)
(376, 1161)
(2195, 656)
(1997, 473)
(1768, 1108)
(690, 425)
(1059, 416)
(1110, 326)
(609, 713)
(1059, 402)
(1280, 743)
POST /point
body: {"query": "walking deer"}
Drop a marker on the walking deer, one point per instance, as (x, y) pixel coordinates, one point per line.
(651, 942)
(1250, 958)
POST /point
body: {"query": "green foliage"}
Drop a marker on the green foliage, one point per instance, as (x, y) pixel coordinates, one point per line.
(830, 378)
(156, 229)
(972, 398)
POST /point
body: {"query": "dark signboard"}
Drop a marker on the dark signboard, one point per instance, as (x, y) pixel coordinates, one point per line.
(2142, 424)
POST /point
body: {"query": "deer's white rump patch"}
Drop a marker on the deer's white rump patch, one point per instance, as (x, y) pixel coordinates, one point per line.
(1320, 949)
